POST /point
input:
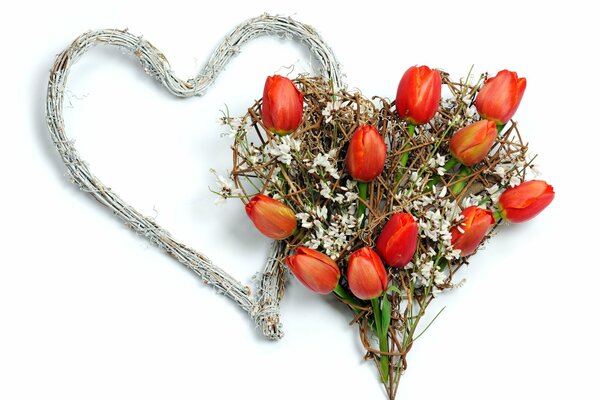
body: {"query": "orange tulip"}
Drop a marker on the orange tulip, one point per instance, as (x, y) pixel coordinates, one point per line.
(499, 97)
(397, 241)
(475, 224)
(282, 105)
(314, 269)
(418, 95)
(525, 201)
(472, 143)
(367, 278)
(366, 154)
(271, 217)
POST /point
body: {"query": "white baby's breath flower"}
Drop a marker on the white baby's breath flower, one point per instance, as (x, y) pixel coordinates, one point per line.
(282, 148)
(440, 159)
(226, 188)
(500, 171)
(514, 180)
(325, 190)
(322, 213)
(330, 109)
(535, 169)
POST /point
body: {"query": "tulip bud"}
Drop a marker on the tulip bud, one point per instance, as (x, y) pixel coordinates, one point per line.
(525, 201)
(471, 230)
(314, 269)
(471, 144)
(397, 241)
(271, 217)
(282, 105)
(367, 278)
(418, 95)
(499, 97)
(366, 154)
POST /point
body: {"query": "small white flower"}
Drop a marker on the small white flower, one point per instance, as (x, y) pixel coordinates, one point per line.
(329, 110)
(440, 160)
(325, 190)
(443, 192)
(439, 277)
(351, 197)
(500, 171)
(514, 180)
(322, 213)
(535, 169)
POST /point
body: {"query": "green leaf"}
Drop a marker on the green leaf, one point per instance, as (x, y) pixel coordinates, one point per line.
(386, 315)
(395, 289)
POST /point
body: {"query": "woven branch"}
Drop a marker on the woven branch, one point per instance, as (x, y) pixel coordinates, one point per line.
(263, 307)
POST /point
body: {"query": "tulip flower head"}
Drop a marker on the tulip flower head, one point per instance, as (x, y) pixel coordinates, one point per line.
(282, 105)
(523, 202)
(418, 95)
(500, 96)
(314, 269)
(366, 154)
(271, 217)
(366, 274)
(397, 241)
(471, 144)
(469, 233)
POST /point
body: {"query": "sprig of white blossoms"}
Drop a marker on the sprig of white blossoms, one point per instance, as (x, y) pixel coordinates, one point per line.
(322, 163)
(237, 125)
(437, 163)
(283, 148)
(426, 272)
(226, 188)
(331, 230)
(330, 109)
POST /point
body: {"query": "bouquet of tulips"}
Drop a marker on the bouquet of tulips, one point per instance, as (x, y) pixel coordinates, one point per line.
(382, 202)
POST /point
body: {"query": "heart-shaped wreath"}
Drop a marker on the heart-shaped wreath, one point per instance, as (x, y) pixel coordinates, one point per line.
(380, 202)
(383, 202)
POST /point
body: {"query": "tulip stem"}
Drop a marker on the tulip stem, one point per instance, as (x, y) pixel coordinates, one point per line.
(497, 216)
(459, 186)
(500, 127)
(343, 294)
(363, 188)
(383, 340)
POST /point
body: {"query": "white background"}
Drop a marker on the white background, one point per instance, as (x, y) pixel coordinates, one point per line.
(89, 310)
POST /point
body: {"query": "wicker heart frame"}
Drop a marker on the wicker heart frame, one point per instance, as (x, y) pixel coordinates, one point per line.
(262, 304)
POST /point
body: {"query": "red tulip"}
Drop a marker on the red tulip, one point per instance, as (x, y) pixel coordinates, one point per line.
(471, 144)
(281, 105)
(499, 98)
(397, 241)
(367, 278)
(525, 201)
(271, 217)
(366, 154)
(314, 269)
(418, 95)
(472, 229)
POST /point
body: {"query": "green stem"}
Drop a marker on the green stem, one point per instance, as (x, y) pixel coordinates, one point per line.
(342, 294)
(498, 216)
(384, 361)
(500, 127)
(363, 188)
(459, 186)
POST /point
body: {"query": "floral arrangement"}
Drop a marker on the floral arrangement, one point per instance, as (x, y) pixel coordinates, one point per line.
(379, 202)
